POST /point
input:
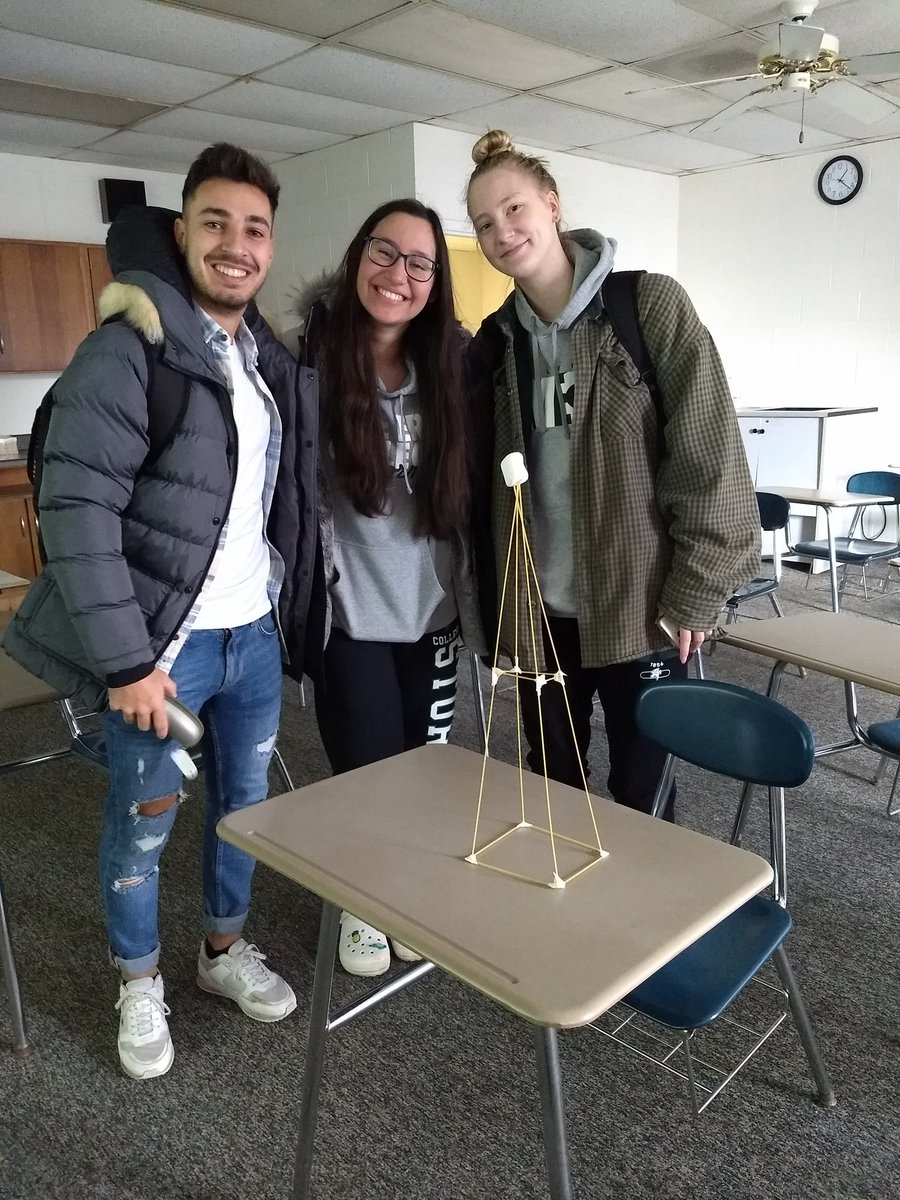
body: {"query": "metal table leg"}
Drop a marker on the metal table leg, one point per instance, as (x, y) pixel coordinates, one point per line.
(21, 1043)
(552, 1115)
(329, 930)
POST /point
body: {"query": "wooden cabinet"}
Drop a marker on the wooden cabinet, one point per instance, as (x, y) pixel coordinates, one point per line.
(19, 553)
(47, 301)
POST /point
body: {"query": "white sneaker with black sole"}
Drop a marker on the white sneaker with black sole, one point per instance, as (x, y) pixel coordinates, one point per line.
(240, 974)
(145, 1047)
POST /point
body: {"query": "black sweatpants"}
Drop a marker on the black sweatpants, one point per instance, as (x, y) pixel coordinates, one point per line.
(635, 763)
(378, 699)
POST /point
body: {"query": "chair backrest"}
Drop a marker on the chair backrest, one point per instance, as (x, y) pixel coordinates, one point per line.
(875, 483)
(773, 511)
(729, 730)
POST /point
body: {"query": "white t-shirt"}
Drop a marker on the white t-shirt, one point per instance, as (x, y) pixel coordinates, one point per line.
(237, 594)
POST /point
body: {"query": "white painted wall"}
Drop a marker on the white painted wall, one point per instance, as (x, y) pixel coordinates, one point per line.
(637, 208)
(57, 201)
(325, 197)
(803, 297)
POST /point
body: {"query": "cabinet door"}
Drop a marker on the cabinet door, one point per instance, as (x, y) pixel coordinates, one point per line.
(782, 450)
(17, 545)
(101, 275)
(45, 304)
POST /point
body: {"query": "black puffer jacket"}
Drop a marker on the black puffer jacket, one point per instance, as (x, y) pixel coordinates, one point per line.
(128, 549)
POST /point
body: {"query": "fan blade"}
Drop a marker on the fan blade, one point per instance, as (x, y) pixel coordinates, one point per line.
(671, 87)
(731, 110)
(856, 102)
(800, 43)
(870, 65)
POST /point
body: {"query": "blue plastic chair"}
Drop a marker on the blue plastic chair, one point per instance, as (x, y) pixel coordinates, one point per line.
(730, 731)
(774, 511)
(859, 550)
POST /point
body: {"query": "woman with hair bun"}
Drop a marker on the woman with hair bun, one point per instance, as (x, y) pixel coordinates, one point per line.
(638, 508)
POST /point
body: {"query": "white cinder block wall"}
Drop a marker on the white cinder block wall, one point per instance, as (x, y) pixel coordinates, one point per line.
(638, 208)
(56, 201)
(325, 197)
(803, 297)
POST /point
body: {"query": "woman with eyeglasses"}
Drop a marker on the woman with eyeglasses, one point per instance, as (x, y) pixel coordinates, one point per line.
(384, 338)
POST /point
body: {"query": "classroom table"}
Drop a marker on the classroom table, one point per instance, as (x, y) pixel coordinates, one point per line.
(844, 645)
(388, 842)
(828, 500)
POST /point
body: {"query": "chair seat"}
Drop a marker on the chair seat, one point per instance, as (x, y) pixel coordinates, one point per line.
(886, 734)
(752, 591)
(848, 550)
(698, 985)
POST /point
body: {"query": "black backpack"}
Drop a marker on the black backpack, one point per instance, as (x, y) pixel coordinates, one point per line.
(167, 398)
(619, 295)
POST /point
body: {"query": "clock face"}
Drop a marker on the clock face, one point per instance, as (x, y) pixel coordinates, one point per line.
(840, 180)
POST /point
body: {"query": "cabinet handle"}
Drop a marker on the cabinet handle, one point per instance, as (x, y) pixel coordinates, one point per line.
(2, 345)
(24, 530)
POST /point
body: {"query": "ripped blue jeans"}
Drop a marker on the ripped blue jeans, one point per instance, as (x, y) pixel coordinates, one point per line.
(232, 678)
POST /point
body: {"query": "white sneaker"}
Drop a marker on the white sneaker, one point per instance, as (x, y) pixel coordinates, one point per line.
(145, 1047)
(240, 975)
(362, 949)
(404, 953)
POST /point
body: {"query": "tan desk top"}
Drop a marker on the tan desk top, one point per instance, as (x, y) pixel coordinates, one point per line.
(388, 843)
(825, 499)
(836, 643)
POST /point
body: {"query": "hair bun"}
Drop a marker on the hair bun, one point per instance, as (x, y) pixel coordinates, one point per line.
(497, 141)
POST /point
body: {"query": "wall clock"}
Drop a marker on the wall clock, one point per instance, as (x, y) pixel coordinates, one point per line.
(840, 179)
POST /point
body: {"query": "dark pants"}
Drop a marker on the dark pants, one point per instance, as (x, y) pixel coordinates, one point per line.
(635, 763)
(378, 699)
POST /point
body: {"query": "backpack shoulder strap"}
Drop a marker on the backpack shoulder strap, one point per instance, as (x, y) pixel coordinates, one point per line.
(619, 295)
(167, 400)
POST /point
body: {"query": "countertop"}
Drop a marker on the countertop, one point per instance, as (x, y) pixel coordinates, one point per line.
(762, 411)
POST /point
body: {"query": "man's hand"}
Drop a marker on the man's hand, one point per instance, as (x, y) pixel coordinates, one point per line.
(144, 703)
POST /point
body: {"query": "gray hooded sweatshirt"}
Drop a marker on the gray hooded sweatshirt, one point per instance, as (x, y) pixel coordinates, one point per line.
(394, 584)
(549, 459)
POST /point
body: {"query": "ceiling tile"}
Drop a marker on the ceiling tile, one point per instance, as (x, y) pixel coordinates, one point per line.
(765, 133)
(624, 32)
(73, 106)
(189, 39)
(128, 161)
(317, 18)
(555, 124)
(670, 151)
(736, 54)
(147, 146)
(371, 79)
(241, 131)
(287, 106)
(746, 13)
(436, 37)
(820, 113)
(39, 131)
(608, 91)
(83, 69)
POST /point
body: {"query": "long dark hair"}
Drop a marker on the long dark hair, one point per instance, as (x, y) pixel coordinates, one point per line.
(434, 342)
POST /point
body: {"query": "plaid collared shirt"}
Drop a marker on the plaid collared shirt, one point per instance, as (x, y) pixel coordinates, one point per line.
(217, 340)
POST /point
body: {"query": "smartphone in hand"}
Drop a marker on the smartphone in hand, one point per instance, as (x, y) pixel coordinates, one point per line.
(670, 629)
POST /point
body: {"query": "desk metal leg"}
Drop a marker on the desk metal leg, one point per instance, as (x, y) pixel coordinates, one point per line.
(329, 930)
(832, 562)
(21, 1043)
(552, 1115)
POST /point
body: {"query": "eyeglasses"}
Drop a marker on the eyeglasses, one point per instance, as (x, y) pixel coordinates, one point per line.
(385, 254)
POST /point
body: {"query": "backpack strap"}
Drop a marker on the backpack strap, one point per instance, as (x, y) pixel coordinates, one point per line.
(168, 391)
(619, 295)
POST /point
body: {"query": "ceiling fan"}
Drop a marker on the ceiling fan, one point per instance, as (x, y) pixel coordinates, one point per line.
(803, 59)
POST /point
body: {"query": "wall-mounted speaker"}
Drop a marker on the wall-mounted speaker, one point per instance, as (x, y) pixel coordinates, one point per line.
(119, 193)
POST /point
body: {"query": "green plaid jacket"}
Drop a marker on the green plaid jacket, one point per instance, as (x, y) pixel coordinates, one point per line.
(662, 524)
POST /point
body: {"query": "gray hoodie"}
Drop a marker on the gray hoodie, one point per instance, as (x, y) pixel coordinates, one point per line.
(549, 461)
(394, 584)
